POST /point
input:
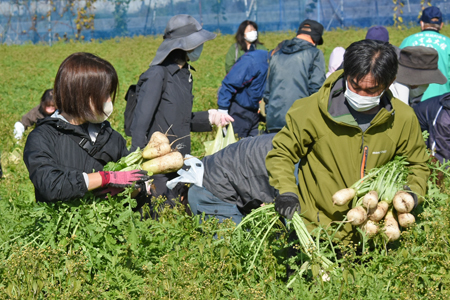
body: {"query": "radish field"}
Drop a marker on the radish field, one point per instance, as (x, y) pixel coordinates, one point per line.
(95, 248)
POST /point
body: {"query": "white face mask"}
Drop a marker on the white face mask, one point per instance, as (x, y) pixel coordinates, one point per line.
(413, 93)
(251, 36)
(195, 54)
(361, 103)
(107, 108)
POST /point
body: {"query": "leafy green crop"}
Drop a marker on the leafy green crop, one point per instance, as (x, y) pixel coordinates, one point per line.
(101, 248)
(128, 163)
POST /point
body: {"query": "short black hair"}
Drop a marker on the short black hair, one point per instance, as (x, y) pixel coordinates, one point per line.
(47, 98)
(371, 57)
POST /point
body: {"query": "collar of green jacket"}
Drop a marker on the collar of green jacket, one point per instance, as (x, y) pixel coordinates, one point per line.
(332, 102)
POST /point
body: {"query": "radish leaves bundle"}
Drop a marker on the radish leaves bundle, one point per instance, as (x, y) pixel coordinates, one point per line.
(130, 162)
(260, 222)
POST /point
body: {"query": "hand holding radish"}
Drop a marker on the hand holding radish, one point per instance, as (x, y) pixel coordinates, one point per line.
(156, 158)
(123, 178)
(287, 204)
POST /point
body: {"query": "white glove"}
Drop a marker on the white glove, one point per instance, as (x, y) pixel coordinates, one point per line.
(19, 129)
(194, 175)
(219, 117)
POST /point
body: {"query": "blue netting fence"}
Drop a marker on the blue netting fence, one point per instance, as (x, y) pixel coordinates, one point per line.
(46, 21)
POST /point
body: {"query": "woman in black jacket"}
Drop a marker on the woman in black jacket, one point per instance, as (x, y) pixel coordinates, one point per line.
(164, 94)
(66, 152)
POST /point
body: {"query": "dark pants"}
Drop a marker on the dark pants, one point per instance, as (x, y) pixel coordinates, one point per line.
(203, 201)
(245, 121)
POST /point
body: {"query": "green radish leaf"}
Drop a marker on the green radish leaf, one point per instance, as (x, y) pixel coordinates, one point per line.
(345, 276)
(315, 270)
(224, 252)
(405, 253)
(200, 248)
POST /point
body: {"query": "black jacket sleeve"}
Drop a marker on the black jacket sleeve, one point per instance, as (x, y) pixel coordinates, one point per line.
(200, 122)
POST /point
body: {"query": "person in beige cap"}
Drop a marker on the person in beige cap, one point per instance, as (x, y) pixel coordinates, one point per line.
(417, 69)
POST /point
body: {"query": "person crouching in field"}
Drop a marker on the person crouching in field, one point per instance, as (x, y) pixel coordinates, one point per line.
(66, 152)
(45, 108)
(241, 91)
(351, 125)
(233, 180)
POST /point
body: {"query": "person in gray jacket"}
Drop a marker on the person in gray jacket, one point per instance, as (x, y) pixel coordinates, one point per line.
(296, 70)
(234, 180)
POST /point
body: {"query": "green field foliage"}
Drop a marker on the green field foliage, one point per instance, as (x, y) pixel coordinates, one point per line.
(95, 248)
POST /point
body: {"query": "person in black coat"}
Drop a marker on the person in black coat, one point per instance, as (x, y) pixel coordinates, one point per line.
(164, 94)
(66, 152)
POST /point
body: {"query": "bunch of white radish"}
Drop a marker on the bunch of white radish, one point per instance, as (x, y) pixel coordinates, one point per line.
(161, 158)
(156, 158)
(380, 195)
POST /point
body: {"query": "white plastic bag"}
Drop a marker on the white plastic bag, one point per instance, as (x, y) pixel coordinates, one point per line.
(194, 175)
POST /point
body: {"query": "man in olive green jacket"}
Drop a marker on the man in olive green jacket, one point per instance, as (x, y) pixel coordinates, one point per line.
(351, 125)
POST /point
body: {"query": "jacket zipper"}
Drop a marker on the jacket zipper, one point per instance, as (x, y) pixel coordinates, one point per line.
(364, 161)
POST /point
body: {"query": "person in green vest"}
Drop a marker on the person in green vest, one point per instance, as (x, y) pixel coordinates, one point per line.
(246, 40)
(431, 23)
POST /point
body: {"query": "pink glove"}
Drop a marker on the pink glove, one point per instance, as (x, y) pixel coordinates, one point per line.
(123, 178)
(219, 117)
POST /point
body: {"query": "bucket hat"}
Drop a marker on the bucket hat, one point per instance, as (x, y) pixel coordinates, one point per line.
(378, 33)
(312, 28)
(429, 13)
(419, 65)
(182, 32)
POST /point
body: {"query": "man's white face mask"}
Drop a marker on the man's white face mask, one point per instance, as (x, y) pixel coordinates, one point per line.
(361, 103)
(251, 36)
(413, 93)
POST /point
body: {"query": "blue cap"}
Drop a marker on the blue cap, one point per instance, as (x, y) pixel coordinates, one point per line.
(378, 33)
(429, 13)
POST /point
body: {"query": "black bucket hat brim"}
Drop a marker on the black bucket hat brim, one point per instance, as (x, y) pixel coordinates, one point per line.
(187, 43)
(410, 76)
